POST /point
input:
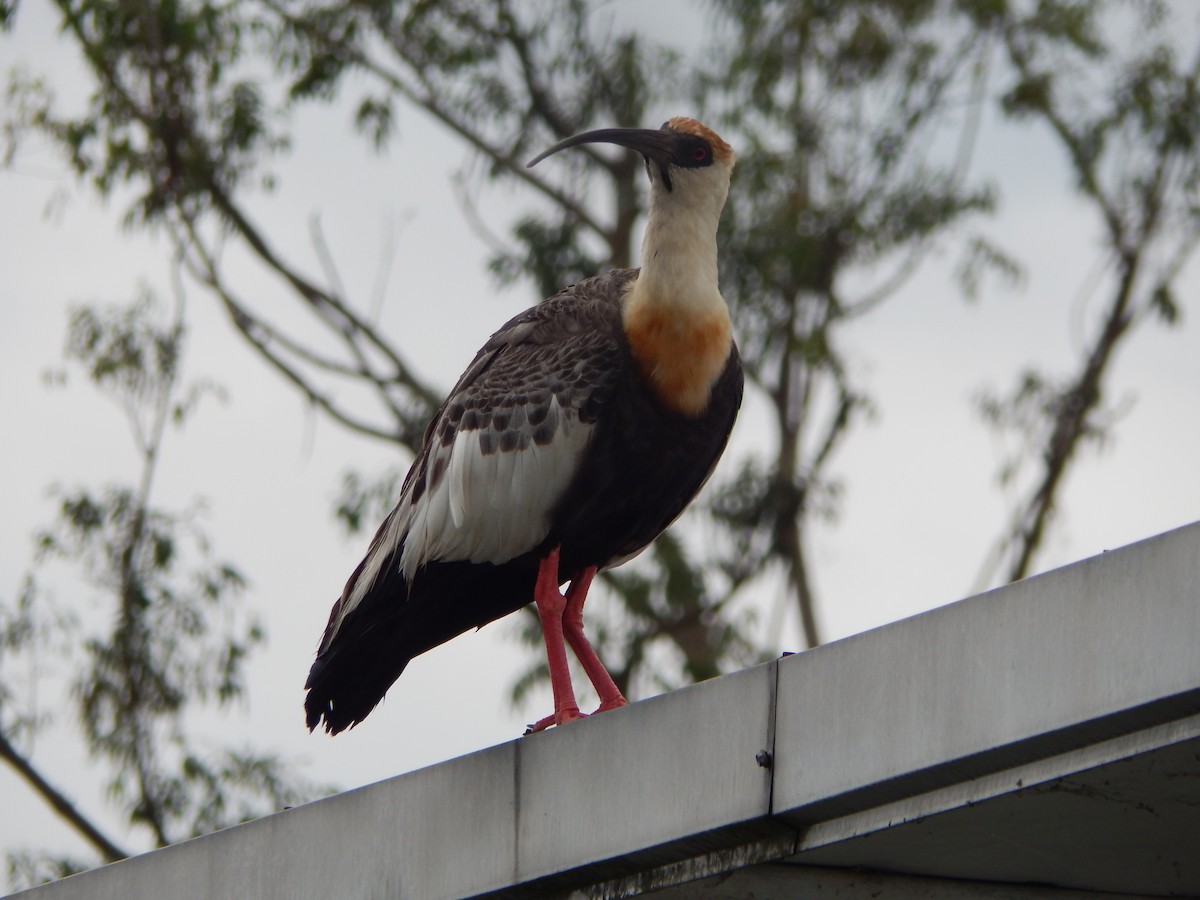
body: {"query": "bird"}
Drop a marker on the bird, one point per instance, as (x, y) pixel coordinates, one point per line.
(580, 431)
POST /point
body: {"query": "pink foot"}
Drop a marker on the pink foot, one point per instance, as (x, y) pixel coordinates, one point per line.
(571, 716)
(567, 715)
(615, 703)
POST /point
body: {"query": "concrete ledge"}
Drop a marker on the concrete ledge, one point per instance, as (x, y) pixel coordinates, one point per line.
(1087, 652)
(912, 748)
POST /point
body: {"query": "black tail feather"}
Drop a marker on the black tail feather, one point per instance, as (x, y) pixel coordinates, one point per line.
(394, 623)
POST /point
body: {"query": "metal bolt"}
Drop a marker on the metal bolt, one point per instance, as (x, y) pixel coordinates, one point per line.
(763, 758)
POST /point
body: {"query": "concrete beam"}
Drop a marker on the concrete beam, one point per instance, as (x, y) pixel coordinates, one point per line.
(884, 749)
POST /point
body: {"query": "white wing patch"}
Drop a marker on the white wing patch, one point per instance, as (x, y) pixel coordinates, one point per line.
(492, 507)
(482, 507)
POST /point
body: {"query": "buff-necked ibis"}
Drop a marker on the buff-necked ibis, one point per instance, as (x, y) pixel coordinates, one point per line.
(579, 432)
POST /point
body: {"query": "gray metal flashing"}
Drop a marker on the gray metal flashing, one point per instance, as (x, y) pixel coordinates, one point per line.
(1049, 771)
(1087, 652)
(1048, 731)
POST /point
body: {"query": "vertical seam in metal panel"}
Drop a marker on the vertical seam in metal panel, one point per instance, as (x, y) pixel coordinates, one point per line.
(516, 862)
(772, 712)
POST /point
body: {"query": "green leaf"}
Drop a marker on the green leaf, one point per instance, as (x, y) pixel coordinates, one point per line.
(1162, 301)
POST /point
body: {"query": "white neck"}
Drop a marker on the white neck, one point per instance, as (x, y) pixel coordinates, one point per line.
(675, 318)
(679, 251)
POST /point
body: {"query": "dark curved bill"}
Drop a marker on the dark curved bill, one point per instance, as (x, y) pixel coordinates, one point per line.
(653, 143)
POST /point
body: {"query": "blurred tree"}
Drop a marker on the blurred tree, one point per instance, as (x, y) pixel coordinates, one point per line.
(839, 198)
(168, 638)
(1123, 102)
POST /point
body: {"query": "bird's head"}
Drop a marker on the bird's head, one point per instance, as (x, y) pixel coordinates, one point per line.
(684, 154)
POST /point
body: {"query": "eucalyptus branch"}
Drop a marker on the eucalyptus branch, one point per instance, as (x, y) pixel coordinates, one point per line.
(1081, 160)
(325, 257)
(343, 320)
(1071, 424)
(131, 601)
(967, 142)
(1185, 250)
(320, 300)
(350, 338)
(57, 801)
(428, 101)
(540, 101)
(475, 222)
(260, 336)
(1134, 221)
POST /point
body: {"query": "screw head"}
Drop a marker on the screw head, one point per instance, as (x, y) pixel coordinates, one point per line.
(764, 759)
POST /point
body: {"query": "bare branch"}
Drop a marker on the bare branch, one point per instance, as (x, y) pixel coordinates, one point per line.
(1081, 160)
(427, 100)
(352, 326)
(57, 801)
(261, 337)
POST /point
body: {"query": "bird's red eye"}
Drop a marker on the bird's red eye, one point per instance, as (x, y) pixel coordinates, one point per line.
(699, 153)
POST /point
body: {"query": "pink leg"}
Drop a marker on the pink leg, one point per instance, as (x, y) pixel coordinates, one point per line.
(610, 694)
(550, 606)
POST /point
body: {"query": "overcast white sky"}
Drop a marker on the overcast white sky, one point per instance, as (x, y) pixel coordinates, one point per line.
(920, 511)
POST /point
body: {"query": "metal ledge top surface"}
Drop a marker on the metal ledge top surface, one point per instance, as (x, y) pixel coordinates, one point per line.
(821, 756)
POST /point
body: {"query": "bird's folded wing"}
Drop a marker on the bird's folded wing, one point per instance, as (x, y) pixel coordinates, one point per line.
(506, 444)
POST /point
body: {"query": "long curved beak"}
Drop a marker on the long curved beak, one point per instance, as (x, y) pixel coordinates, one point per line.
(652, 143)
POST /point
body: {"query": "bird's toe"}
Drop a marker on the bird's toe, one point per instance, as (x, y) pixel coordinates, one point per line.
(616, 703)
(559, 717)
